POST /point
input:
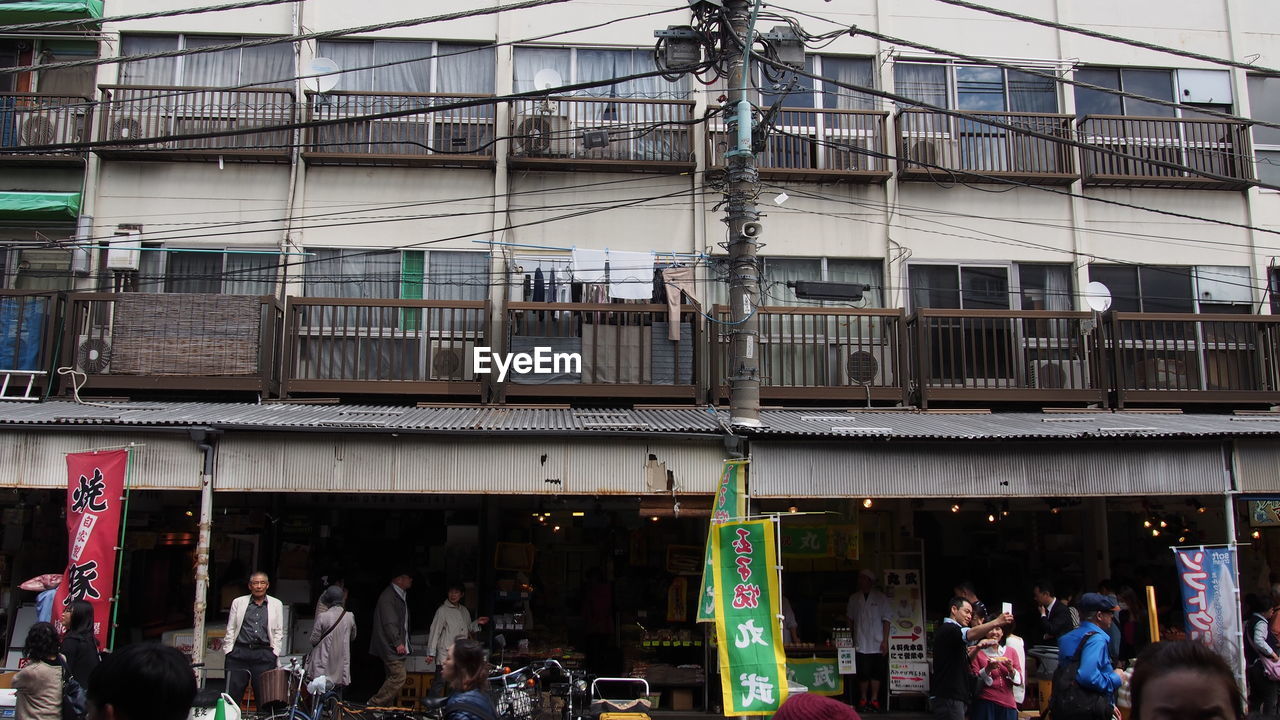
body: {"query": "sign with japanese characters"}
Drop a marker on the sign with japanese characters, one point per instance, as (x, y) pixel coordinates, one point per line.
(1207, 576)
(730, 503)
(748, 603)
(908, 665)
(804, 541)
(95, 485)
(820, 675)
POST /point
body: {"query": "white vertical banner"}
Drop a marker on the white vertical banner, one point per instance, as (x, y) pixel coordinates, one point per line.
(908, 663)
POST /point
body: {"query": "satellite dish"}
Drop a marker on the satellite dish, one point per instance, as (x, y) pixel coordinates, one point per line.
(547, 78)
(321, 75)
(1097, 296)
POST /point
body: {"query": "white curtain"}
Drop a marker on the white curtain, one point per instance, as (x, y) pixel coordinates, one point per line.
(457, 275)
(853, 71)
(528, 61)
(864, 272)
(251, 274)
(778, 271)
(157, 71)
(1057, 288)
(410, 74)
(464, 69)
(919, 81)
(350, 55)
(352, 273)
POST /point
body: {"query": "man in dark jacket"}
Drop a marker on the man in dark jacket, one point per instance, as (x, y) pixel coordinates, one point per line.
(1055, 617)
(952, 655)
(390, 640)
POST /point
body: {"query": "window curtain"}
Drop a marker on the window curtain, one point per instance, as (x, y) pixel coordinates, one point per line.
(1031, 93)
(934, 286)
(854, 71)
(464, 69)
(1057, 288)
(457, 275)
(863, 272)
(922, 82)
(352, 273)
(777, 272)
(528, 61)
(156, 71)
(348, 56)
(193, 272)
(211, 69)
(248, 274)
(409, 74)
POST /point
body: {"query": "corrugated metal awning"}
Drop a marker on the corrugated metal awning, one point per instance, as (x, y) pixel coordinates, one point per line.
(414, 464)
(954, 470)
(159, 462)
(1257, 465)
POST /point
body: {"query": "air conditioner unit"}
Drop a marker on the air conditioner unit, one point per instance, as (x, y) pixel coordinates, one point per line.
(1058, 374)
(125, 252)
(38, 130)
(543, 136)
(451, 360)
(126, 127)
(872, 365)
(93, 354)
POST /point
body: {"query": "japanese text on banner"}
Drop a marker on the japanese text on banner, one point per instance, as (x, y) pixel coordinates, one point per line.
(1207, 577)
(95, 484)
(730, 503)
(747, 605)
(908, 665)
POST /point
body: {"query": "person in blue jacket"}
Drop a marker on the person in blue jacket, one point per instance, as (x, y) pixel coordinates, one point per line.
(1097, 612)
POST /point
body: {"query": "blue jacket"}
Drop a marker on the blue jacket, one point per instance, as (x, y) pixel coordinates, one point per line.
(1096, 671)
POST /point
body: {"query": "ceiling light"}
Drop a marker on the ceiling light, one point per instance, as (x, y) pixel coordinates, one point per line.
(866, 502)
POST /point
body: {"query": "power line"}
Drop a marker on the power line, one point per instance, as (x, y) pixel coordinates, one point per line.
(1112, 38)
(278, 39)
(143, 16)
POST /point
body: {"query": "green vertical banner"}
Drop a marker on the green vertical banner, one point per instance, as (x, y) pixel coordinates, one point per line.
(730, 503)
(748, 602)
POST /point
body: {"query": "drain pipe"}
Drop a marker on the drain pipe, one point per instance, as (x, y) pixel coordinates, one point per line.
(204, 439)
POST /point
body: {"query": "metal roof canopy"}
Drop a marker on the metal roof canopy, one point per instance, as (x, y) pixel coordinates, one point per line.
(985, 469)
(1257, 465)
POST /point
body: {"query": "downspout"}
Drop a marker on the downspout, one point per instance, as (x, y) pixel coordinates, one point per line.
(203, 438)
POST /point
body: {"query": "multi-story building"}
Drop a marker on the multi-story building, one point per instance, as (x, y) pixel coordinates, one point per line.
(252, 229)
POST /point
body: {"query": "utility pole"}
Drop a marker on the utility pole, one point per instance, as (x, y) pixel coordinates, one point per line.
(742, 217)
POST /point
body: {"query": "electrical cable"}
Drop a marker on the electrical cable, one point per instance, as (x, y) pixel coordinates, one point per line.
(143, 16)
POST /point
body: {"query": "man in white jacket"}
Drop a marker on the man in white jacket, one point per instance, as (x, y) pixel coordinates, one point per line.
(452, 622)
(255, 638)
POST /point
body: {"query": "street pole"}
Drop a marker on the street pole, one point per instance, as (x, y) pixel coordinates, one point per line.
(743, 185)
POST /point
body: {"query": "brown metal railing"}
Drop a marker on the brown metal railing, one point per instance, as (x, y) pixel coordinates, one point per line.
(603, 131)
(173, 341)
(625, 350)
(1182, 357)
(806, 353)
(1006, 355)
(933, 144)
(383, 346)
(158, 113)
(1128, 145)
(465, 135)
(820, 142)
(30, 119)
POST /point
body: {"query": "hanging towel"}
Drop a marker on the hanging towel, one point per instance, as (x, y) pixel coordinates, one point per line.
(526, 288)
(539, 286)
(678, 279)
(588, 266)
(630, 275)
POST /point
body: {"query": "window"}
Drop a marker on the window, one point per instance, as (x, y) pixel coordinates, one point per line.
(977, 88)
(1264, 104)
(778, 271)
(229, 272)
(963, 287)
(36, 269)
(264, 66)
(1209, 89)
(353, 273)
(538, 68)
(1045, 287)
(419, 67)
(1147, 288)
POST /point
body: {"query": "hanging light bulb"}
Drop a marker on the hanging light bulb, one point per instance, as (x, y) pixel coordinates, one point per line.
(1256, 534)
(793, 509)
(1146, 523)
(991, 517)
(1164, 524)
(955, 507)
(866, 502)
(1182, 538)
(1055, 509)
(1155, 532)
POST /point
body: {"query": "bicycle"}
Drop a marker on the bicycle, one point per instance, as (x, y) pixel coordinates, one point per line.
(325, 703)
(519, 694)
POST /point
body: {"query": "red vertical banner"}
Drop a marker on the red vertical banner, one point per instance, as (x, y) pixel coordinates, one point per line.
(95, 488)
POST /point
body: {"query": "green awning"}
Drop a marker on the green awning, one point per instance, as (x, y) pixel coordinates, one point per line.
(39, 205)
(25, 11)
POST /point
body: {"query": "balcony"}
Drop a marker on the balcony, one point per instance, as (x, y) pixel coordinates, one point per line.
(995, 356)
(627, 351)
(461, 137)
(28, 119)
(843, 355)
(609, 134)
(173, 342)
(1213, 146)
(27, 323)
(814, 145)
(943, 148)
(400, 347)
(157, 114)
(1185, 358)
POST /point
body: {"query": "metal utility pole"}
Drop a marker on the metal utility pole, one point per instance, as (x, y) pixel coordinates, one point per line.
(743, 185)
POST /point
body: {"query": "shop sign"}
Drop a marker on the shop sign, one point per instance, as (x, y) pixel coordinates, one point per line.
(748, 604)
(801, 541)
(1207, 576)
(847, 661)
(95, 491)
(1264, 513)
(820, 675)
(730, 503)
(908, 664)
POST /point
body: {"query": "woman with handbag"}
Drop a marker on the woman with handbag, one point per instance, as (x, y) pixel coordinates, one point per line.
(331, 637)
(1259, 651)
(79, 645)
(39, 684)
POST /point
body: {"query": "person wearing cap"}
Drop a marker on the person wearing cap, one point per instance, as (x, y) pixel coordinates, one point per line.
(390, 642)
(869, 615)
(808, 706)
(1097, 612)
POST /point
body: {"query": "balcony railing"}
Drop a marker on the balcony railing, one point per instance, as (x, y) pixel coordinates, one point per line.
(933, 146)
(459, 137)
(625, 350)
(160, 113)
(839, 354)
(814, 145)
(1006, 356)
(30, 119)
(27, 323)
(1128, 145)
(402, 347)
(1185, 358)
(146, 341)
(602, 133)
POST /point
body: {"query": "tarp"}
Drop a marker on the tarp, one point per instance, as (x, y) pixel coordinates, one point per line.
(22, 332)
(24, 11)
(39, 205)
